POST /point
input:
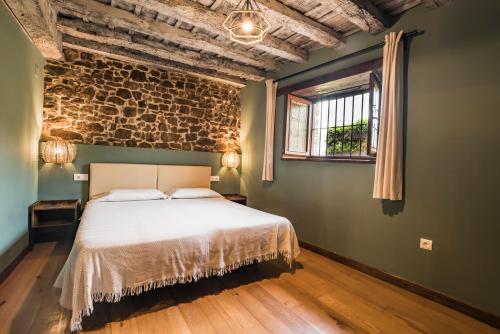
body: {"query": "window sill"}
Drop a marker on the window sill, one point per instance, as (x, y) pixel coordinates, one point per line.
(363, 160)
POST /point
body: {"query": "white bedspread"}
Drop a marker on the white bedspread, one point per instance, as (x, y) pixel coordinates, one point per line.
(126, 248)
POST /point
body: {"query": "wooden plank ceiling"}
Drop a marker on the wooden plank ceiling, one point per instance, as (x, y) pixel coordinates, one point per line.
(187, 35)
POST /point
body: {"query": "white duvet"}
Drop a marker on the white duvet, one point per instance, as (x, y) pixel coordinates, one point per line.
(126, 248)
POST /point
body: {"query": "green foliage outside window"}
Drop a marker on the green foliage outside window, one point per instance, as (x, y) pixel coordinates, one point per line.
(339, 139)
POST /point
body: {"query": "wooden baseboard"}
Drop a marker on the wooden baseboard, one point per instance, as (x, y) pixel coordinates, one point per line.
(438, 297)
(10, 268)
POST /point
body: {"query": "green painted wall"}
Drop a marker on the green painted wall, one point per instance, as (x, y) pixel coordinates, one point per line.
(21, 99)
(452, 155)
(56, 181)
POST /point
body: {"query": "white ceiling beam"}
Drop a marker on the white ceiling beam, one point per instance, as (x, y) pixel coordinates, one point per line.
(38, 20)
(198, 15)
(103, 14)
(92, 32)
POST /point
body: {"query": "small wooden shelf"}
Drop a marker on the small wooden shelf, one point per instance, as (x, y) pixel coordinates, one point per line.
(56, 205)
(49, 219)
(53, 223)
(237, 198)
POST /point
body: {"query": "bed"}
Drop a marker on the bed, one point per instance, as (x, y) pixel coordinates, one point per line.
(129, 247)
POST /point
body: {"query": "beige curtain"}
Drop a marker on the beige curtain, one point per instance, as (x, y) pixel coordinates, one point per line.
(267, 169)
(389, 166)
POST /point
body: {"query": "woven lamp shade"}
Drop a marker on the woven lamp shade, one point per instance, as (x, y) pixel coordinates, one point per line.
(58, 152)
(230, 159)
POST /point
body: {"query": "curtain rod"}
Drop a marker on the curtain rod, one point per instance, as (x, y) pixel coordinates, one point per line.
(406, 36)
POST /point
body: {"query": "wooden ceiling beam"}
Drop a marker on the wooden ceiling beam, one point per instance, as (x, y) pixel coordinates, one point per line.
(433, 4)
(137, 58)
(38, 19)
(280, 14)
(198, 15)
(362, 13)
(103, 14)
(102, 35)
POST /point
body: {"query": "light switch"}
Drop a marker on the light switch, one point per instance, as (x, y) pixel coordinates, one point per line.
(80, 177)
(215, 178)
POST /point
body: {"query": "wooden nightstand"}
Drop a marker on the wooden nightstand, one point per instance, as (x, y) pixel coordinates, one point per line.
(240, 199)
(49, 219)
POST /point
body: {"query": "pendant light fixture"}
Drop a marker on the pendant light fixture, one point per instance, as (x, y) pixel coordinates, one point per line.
(246, 24)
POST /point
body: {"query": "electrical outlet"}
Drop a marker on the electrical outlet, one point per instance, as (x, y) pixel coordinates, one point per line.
(215, 178)
(80, 177)
(426, 244)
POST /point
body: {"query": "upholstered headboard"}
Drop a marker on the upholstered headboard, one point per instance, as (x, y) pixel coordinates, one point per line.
(107, 176)
(173, 176)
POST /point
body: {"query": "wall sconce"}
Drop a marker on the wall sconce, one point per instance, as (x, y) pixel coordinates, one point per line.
(230, 159)
(58, 151)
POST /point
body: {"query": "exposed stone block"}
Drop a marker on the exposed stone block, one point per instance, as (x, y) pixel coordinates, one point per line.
(123, 134)
(115, 100)
(65, 134)
(94, 127)
(137, 75)
(108, 110)
(149, 118)
(129, 111)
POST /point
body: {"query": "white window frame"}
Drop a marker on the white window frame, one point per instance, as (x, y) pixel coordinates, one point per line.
(300, 101)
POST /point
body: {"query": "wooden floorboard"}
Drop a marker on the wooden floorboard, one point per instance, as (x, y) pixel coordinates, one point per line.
(320, 296)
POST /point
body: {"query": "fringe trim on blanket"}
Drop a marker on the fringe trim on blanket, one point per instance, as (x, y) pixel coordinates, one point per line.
(114, 297)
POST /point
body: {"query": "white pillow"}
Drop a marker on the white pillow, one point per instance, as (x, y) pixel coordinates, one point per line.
(123, 195)
(192, 193)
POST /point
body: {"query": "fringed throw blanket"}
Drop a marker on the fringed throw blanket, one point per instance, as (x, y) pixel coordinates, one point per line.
(126, 248)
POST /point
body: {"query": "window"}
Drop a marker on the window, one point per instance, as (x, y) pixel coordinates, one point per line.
(298, 126)
(335, 120)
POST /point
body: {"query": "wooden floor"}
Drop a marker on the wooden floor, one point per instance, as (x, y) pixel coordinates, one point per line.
(322, 296)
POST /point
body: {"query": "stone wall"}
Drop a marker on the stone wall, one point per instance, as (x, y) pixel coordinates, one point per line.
(91, 99)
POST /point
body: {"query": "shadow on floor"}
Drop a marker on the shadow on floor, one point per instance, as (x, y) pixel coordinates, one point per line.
(160, 299)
